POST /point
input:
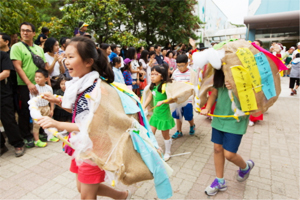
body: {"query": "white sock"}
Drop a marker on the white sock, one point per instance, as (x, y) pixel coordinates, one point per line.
(168, 144)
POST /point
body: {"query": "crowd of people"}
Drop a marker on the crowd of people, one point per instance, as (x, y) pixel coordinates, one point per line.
(44, 66)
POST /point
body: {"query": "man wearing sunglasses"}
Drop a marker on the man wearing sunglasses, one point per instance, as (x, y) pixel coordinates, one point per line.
(25, 68)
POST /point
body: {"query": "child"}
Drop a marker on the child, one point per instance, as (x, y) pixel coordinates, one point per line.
(42, 37)
(161, 118)
(295, 74)
(59, 113)
(142, 80)
(127, 73)
(183, 74)
(116, 63)
(86, 63)
(227, 134)
(41, 77)
(131, 54)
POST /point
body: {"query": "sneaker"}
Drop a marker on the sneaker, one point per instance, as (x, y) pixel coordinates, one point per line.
(192, 130)
(29, 143)
(39, 143)
(54, 139)
(215, 187)
(294, 91)
(19, 151)
(288, 75)
(243, 175)
(43, 137)
(251, 123)
(177, 135)
(167, 157)
(3, 150)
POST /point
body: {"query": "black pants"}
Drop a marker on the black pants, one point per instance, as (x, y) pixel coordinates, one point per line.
(24, 114)
(293, 81)
(9, 123)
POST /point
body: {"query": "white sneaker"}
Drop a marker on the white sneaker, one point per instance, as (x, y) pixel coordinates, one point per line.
(167, 157)
(251, 123)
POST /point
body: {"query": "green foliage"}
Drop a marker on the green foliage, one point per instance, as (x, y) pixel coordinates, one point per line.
(104, 17)
(161, 21)
(14, 12)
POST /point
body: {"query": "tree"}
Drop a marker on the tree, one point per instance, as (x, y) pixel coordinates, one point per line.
(105, 17)
(14, 12)
(160, 21)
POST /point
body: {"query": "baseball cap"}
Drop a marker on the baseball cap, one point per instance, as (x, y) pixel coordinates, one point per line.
(126, 61)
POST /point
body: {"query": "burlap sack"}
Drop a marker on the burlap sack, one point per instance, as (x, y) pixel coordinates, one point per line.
(180, 92)
(232, 59)
(112, 146)
(206, 85)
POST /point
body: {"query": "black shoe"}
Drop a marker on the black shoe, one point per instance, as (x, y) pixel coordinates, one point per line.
(29, 143)
(43, 137)
(3, 150)
(19, 151)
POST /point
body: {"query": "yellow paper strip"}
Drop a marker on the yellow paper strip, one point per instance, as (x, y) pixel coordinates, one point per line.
(243, 84)
(248, 61)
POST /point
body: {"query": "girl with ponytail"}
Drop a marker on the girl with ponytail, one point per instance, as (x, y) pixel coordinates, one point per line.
(85, 64)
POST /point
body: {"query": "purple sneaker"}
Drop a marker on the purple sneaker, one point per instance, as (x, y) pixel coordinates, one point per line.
(215, 187)
(243, 175)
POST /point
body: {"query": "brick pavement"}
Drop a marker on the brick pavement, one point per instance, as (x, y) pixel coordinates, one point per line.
(42, 173)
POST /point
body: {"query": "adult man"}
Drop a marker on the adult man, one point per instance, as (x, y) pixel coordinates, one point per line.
(23, 63)
(159, 58)
(7, 111)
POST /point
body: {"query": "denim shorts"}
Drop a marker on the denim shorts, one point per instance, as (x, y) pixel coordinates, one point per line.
(230, 141)
(186, 112)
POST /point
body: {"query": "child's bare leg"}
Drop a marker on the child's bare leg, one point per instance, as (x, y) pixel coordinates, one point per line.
(219, 160)
(153, 129)
(166, 134)
(179, 125)
(91, 191)
(36, 136)
(235, 159)
(192, 122)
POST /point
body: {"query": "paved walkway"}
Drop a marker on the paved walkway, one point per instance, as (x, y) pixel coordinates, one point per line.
(273, 144)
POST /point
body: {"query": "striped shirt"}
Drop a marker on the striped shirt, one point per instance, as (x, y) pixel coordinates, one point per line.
(42, 90)
(183, 77)
(82, 103)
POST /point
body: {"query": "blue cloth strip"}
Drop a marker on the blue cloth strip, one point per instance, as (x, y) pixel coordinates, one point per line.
(266, 75)
(155, 165)
(129, 106)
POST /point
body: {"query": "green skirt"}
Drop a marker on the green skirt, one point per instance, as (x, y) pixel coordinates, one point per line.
(162, 124)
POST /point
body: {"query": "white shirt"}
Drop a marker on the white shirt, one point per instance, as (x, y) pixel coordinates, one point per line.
(50, 60)
(134, 66)
(42, 90)
(147, 69)
(183, 77)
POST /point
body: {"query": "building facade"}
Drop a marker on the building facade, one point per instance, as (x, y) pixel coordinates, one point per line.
(273, 21)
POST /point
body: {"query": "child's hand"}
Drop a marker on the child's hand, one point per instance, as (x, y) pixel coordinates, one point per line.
(228, 86)
(50, 97)
(47, 122)
(160, 103)
(204, 112)
(51, 113)
(56, 57)
(133, 82)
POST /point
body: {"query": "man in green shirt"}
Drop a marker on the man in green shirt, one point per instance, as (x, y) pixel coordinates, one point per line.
(25, 68)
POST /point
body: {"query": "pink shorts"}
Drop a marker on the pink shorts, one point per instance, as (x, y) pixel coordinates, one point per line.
(87, 173)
